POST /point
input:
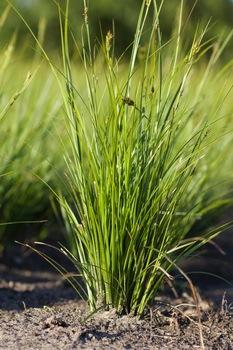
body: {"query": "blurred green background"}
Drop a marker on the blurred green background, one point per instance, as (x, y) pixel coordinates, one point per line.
(124, 13)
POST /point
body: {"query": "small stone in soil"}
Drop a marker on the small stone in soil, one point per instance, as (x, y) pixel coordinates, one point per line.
(55, 321)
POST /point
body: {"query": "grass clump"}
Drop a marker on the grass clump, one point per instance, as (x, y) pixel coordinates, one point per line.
(144, 160)
(29, 106)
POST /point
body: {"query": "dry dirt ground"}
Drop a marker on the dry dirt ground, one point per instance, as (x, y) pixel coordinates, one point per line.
(39, 311)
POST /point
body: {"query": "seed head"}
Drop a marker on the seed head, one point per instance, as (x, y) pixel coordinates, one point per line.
(85, 13)
(128, 101)
(108, 41)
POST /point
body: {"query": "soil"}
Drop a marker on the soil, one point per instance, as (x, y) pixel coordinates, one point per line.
(38, 310)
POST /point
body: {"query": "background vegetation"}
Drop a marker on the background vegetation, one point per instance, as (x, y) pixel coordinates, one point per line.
(102, 13)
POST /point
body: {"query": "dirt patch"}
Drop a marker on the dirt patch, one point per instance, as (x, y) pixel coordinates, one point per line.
(39, 311)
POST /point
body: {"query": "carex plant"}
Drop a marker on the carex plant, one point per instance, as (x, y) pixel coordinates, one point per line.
(143, 157)
(139, 171)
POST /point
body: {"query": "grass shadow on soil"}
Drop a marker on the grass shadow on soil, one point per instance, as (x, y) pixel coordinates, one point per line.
(20, 289)
(11, 299)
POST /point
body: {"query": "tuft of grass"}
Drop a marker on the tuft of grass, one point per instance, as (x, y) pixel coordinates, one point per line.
(145, 164)
(29, 106)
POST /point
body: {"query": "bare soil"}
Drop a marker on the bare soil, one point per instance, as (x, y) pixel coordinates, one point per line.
(39, 311)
